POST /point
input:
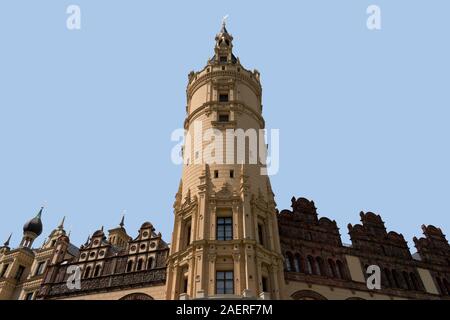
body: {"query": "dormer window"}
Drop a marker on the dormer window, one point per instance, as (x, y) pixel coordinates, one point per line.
(223, 59)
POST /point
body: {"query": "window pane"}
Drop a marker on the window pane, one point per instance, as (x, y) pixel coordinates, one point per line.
(229, 275)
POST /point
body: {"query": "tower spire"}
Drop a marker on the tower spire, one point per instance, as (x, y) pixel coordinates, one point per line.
(6, 244)
(39, 215)
(88, 239)
(224, 23)
(122, 222)
(61, 224)
(224, 46)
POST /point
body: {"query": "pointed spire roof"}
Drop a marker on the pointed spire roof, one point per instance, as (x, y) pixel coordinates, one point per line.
(40, 213)
(122, 222)
(6, 244)
(61, 224)
(87, 240)
(224, 23)
(224, 46)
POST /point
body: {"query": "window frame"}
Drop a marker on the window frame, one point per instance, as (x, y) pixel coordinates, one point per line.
(224, 97)
(40, 268)
(29, 296)
(226, 278)
(224, 225)
(19, 273)
(223, 117)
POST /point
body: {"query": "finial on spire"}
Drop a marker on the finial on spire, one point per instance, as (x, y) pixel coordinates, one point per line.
(68, 235)
(224, 23)
(61, 224)
(122, 221)
(40, 212)
(6, 244)
(224, 20)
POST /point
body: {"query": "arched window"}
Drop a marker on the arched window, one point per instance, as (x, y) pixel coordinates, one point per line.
(299, 260)
(341, 269)
(289, 261)
(396, 279)
(97, 270)
(319, 266)
(287, 265)
(442, 288)
(447, 286)
(139, 264)
(406, 277)
(87, 272)
(310, 265)
(150, 263)
(130, 266)
(332, 267)
(414, 281)
(388, 277)
(297, 263)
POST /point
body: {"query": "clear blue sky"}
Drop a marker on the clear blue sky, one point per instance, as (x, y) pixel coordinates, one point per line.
(86, 116)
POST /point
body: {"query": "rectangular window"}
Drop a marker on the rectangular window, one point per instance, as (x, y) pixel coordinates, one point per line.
(265, 287)
(260, 234)
(185, 285)
(224, 282)
(225, 229)
(19, 273)
(188, 235)
(231, 174)
(5, 268)
(29, 296)
(216, 174)
(40, 268)
(225, 117)
(223, 59)
(223, 97)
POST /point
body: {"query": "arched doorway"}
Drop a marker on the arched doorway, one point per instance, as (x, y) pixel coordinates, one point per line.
(137, 296)
(307, 295)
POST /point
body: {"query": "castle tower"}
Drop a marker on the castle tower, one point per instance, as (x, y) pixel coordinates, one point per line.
(225, 238)
(31, 230)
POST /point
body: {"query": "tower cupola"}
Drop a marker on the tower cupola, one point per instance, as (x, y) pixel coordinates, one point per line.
(31, 230)
(224, 46)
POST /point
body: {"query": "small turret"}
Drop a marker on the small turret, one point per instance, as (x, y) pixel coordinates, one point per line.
(31, 230)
